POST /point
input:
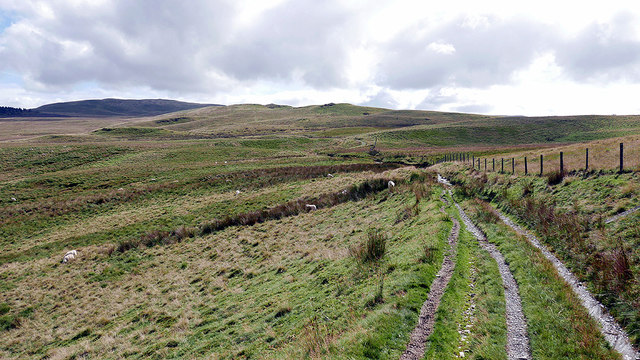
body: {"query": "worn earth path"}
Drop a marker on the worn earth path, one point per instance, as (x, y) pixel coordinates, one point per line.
(517, 338)
(424, 328)
(614, 334)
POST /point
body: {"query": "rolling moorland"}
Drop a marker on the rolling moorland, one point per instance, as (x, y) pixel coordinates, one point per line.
(194, 239)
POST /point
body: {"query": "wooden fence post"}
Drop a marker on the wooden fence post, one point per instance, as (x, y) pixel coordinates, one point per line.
(561, 163)
(586, 162)
(502, 168)
(541, 164)
(621, 156)
(494, 164)
(526, 171)
(478, 164)
(485, 165)
(513, 166)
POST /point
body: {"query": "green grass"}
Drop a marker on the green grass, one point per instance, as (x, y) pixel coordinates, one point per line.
(285, 288)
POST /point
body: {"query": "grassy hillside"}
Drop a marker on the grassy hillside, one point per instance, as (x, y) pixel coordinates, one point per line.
(194, 239)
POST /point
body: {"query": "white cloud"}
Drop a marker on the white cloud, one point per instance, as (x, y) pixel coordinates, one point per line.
(441, 48)
(494, 56)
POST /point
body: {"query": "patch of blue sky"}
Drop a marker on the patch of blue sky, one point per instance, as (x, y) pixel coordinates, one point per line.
(10, 78)
(6, 19)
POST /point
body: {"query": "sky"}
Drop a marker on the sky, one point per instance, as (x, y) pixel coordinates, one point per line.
(490, 57)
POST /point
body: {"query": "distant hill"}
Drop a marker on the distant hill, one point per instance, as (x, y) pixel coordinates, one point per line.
(116, 107)
(11, 112)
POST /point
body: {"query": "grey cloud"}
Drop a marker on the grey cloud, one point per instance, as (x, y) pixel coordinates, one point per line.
(474, 108)
(304, 39)
(483, 56)
(438, 98)
(169, 45)
(160, 44)
(435, 99)
(382, 99)
(603, 52)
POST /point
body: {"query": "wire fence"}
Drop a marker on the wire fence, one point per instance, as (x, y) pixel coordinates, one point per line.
(620, 159)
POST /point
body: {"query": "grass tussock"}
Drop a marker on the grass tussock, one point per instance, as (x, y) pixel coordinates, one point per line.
(372, 249)
(555, 177)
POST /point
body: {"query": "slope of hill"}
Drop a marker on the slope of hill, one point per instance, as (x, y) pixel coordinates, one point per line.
(392, 129)
(205, 247)
(117, 107)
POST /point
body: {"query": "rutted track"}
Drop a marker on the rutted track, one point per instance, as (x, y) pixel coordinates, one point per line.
(612, 332)
(621, 215)
(517, 338)
(424, 328)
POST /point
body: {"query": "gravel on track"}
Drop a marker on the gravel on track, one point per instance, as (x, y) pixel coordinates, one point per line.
(517, 338)
(424, 328)
(613, 333)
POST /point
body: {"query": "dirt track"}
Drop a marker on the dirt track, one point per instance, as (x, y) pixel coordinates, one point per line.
(424, 328)
(517, 338)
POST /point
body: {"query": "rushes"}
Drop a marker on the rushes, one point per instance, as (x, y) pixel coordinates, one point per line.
(157, 237)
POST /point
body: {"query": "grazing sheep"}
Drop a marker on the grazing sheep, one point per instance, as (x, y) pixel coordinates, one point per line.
(14, 199)
(391, 184)
(238, 192)
(311, 207)
(70, 255)
(343, 192)
(329, 175)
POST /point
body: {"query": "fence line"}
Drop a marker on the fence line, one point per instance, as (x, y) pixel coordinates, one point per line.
(476, 163)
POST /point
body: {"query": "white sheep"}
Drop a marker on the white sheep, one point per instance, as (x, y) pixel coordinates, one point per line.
(329, 175)
(311, 207)
(14, 199)
(238, 192)
(391, 184)
(343, 192)
(70, 255)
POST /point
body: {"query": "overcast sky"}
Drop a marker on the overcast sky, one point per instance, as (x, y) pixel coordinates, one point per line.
(495, 57)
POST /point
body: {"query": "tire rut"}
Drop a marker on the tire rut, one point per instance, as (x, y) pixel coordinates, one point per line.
(621, 215)
(611, 330)
(417, 343)
(517, 338)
